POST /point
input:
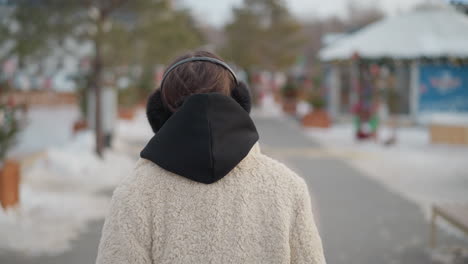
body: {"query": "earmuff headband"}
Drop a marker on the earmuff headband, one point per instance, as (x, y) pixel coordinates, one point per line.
(207, 59)
(158, 114)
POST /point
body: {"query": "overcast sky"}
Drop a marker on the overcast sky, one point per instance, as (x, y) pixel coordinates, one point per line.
(217, 12)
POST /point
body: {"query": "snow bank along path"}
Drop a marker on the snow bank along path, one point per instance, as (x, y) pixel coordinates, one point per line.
(61, 191)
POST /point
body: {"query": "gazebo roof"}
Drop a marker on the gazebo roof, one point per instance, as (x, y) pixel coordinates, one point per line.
(427, 32)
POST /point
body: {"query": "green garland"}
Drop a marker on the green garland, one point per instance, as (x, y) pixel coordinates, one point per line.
(9, 128)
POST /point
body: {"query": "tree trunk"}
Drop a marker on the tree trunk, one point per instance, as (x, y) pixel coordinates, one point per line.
(96, 85)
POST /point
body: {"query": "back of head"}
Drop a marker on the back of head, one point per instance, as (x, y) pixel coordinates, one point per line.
(194, 78)
(198, 72)
(200, 114)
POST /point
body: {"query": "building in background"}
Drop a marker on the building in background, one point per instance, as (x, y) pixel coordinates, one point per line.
(417, 63)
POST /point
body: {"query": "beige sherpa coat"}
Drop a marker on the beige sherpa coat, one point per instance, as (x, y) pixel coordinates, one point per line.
(259, 213)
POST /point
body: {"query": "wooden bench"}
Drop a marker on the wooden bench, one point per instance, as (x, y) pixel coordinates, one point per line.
(449, 134)
(456, 215)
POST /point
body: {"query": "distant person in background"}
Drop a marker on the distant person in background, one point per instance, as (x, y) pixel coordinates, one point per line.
(202, 191)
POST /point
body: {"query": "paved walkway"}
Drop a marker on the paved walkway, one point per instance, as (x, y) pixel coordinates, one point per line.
(360, 221)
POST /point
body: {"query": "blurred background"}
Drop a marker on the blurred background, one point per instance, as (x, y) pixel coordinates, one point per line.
(367, 100)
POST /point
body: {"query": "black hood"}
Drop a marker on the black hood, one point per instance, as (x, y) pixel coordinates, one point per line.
(204, 140)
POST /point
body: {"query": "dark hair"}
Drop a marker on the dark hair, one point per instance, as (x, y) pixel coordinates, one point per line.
(194, 78)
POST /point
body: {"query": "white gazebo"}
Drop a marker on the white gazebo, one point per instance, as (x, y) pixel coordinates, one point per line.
(427, 33)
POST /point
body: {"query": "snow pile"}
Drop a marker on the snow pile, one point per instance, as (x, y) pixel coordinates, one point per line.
(135, 130)
(343, 136)
(76, 167)
(132, 135)
(303, 108)
(421, 172)
(449, 256)
(268, 108)
(451, 119)
(60, 193)
(46, 222)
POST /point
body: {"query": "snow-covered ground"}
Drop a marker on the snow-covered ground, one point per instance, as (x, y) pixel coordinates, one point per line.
(47, 221)
(268, 108)
(74, 167)
(136, 130)
(63, 188)
(413, 167)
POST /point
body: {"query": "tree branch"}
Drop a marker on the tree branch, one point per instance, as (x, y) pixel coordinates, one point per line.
(114, 4)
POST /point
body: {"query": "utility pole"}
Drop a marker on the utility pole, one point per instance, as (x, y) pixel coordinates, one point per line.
(96, 15)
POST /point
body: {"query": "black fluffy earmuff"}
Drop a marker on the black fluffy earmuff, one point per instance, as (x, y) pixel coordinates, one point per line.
(158, 114)
(241, 94)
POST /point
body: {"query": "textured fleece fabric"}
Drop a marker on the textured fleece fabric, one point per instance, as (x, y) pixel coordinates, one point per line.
(259, 213)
